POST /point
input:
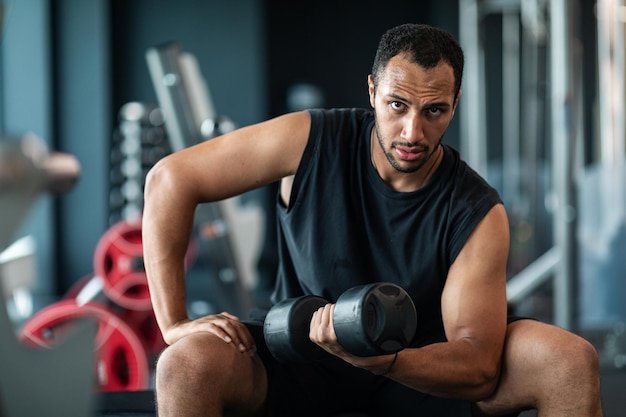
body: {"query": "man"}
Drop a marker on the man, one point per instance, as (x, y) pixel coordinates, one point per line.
(365, 196)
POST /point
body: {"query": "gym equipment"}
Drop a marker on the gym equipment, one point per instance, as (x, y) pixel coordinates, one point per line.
(138, 143)
(375, 319)
(57, 381)
(26, 170)
(142, 322)
(190, 118)
(144, 325)
(119, 281)
(18, 277)
(286, 329)
(121, 362)
(33, 382)
(369, 320)
(116, 295)
(184, 96)
(118, 261)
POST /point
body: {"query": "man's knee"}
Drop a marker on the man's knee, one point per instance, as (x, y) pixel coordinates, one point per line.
(577, 357)
(548, 368)
(192, 360)
(202, 367)
(565, 367)
(551, 345)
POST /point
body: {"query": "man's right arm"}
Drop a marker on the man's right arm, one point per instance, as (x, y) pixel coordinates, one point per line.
(220, 168)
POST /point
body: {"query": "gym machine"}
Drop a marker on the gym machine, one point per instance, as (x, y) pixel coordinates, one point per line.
(583, 185)
(33, 382)
(190, 118)
(542, 57)
(100, 337)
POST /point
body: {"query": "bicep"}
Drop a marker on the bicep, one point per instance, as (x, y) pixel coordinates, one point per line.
(474, 299)
(247, 158)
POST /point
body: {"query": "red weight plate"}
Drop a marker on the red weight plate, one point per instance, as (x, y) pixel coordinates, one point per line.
(145, 326)
(121, 361)
(119, 261)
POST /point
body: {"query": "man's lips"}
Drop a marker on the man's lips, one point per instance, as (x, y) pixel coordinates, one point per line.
(408, 153)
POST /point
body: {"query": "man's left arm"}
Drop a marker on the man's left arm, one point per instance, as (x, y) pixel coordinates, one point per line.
(474, 312)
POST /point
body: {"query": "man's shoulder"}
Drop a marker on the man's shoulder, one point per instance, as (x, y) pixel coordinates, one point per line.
(468, 183)
(340, 123)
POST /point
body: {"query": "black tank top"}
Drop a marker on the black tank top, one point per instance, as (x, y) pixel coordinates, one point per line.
(345, 227)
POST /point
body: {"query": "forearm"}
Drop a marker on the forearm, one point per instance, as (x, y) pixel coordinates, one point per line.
(450, 369)
(167, 224)
(466, 367)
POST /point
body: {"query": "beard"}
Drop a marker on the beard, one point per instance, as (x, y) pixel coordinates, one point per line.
(415, 165)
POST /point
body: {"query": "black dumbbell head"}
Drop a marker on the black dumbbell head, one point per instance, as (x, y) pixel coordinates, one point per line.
(286, 329)
(375, 319)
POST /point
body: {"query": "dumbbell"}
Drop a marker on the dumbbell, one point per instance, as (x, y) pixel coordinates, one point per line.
(369, 320)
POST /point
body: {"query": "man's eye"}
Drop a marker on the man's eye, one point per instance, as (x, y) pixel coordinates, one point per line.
(434, 110)
(396, 105)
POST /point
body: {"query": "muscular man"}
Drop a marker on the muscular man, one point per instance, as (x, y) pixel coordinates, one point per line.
(366, 195)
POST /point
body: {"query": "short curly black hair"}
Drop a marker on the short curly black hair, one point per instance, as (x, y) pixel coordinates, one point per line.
(425, 45)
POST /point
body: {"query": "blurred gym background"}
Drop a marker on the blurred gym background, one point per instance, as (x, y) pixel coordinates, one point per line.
(541, 117)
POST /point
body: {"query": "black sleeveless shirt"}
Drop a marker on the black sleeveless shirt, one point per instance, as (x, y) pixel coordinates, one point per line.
(345, 227)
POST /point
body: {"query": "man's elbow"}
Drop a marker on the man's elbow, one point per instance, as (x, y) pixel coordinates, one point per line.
(485, 384)
(159, 180)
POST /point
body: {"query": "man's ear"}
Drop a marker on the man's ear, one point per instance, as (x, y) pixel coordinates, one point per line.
(456, 102)
(371, 89)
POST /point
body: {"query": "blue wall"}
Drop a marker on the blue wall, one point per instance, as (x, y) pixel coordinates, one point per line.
(83, 128)
(27, 107)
